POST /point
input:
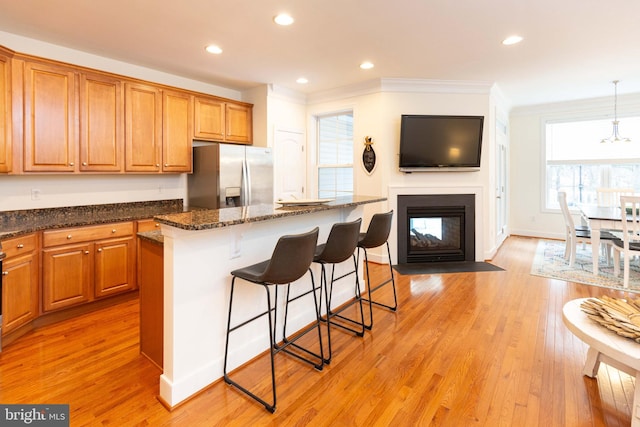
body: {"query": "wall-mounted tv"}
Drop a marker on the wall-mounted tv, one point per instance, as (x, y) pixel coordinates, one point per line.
(440, 142)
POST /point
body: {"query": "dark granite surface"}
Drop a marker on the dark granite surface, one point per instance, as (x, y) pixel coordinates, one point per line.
(154, 236)
(15, 223)
(205, 219)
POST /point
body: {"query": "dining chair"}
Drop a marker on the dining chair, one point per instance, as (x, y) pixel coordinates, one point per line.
(611, 196)
(580, 234)
(629, 245)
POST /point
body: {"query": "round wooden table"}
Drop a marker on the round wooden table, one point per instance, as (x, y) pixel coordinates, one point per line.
(605, 346)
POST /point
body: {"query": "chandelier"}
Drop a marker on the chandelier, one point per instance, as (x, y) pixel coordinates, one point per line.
(615, 136)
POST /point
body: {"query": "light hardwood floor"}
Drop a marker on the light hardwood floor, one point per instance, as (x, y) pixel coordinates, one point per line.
(466, 349)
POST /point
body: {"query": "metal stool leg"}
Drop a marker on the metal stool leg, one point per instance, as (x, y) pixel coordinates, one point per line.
(271, 407)
(291, 341)
(371, 288)
(331, 314)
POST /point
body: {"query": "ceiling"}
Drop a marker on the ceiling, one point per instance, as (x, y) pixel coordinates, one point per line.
(572, 49)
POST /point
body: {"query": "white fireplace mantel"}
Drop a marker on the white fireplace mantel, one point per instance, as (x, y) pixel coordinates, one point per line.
(396, 190)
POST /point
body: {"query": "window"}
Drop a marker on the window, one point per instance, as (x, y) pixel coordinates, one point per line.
(578, 163)
(335, 155)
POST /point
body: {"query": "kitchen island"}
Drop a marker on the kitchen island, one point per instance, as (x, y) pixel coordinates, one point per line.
(201, 248)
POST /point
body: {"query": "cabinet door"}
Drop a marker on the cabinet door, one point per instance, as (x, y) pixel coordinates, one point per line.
(239, 123)
(177, 131)
(19, 291)
(5, 113)
(143, 124)
(114, 266)
(101, 123)
(209, 119)
(50, 120)
(66, 276)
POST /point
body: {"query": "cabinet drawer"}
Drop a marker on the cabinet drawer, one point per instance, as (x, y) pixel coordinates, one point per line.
(19, 245)
(84, 234)
(148, 225)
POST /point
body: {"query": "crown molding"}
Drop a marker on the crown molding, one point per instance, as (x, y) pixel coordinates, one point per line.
(627, 104)
(435, 86)
(286, 94)
(402, 86)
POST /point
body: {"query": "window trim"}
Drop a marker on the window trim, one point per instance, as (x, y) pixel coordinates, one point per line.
(317, 166)
(566, 117)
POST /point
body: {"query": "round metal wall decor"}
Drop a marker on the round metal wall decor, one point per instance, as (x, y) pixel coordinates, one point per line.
(368, 155)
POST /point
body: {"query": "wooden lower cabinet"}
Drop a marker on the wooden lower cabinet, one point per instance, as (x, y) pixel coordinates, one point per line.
(66, 277)
(114, 267)
(19, 291)
(151, 281)
(98, 261)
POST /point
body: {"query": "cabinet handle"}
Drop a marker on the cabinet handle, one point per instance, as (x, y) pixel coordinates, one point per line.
(166, 165)
(157, 165)
(20, 246)
(157, 225)
(71, 164)
(68, 236)
(86, 252)
(113, 231)
(5, 273)
(84, 163)
(99, 249)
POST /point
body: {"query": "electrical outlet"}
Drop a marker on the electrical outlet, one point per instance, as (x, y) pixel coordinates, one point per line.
(35, 194)
(160, 189)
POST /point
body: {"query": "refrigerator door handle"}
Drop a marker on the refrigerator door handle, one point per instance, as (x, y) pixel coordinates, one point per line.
(246, 187)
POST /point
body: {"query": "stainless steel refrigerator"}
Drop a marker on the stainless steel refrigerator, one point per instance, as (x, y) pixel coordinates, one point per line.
(228, 175)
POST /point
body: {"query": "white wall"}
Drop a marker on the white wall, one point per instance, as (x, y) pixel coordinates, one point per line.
(528, 217)
(377, 110)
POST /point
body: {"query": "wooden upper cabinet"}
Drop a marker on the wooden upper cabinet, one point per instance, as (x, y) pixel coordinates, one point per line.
(5, 112)
(143, 124)
(50, 120)
(101, 123)
(239, 124)
(219, 120)
(177, 131)
(209, 119)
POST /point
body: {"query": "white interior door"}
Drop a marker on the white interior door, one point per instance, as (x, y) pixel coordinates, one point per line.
(501, 181)
(290, 165)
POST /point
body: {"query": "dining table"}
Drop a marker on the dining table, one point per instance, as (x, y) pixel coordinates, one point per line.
(600, 218)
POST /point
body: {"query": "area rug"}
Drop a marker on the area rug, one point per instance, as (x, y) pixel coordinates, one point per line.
(549, 262)
(445, 267)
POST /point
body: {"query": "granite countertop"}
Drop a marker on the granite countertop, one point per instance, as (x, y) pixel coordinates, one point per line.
(154, 236)
(16, 223)
(205, 219)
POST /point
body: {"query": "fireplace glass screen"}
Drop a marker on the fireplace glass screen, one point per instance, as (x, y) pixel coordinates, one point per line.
(435, 233)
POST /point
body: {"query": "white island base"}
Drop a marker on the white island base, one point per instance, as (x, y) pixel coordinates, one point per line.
(197, 284)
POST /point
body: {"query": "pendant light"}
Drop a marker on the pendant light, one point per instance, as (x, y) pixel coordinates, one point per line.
(615, 136)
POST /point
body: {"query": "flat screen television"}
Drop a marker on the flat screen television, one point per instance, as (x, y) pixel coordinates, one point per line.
(440, 142)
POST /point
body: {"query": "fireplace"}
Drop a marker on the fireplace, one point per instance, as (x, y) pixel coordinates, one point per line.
(436, 228)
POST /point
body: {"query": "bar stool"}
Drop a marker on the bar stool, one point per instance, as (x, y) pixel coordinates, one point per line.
(377, 235)
(290, 261)
(339, 247)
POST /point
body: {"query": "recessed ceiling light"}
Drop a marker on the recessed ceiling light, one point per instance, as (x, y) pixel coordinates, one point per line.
(302, 80)
(212, 48)
(283, 19)
(366, 65)
(511, 40)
